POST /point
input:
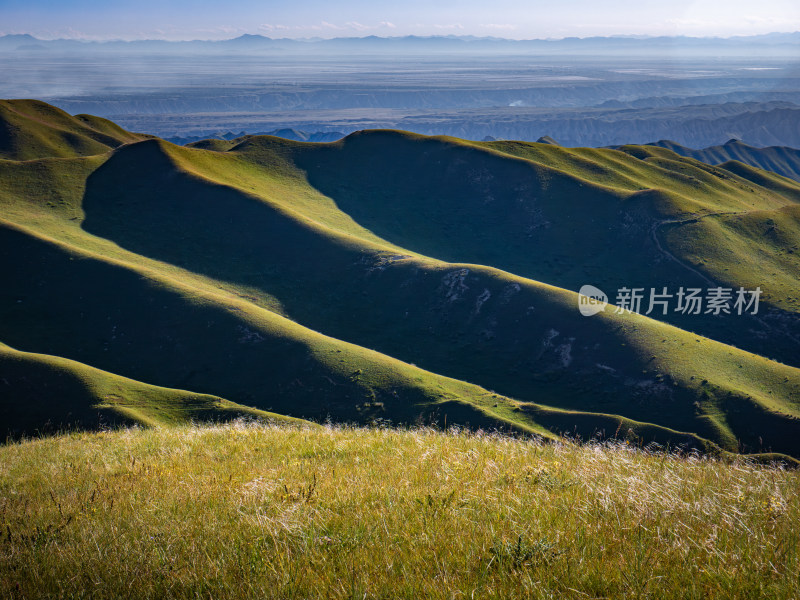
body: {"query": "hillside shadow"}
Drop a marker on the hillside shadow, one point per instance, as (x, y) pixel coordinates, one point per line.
(29, 405)
(462, 204)
(103, 314)
(141, 201)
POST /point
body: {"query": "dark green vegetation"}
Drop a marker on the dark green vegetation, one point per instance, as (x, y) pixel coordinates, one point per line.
(401, 277)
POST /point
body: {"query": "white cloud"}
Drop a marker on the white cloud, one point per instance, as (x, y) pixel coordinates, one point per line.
(358, 26)
(361, 27)
(734, 25)
(271, 27)
(772, 21)
(498, 26)
(323, 25)
(450, 26)
(687, 22)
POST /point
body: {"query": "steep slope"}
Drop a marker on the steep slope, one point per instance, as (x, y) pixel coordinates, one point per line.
(777, 159)
(306, 278)
(32, 129)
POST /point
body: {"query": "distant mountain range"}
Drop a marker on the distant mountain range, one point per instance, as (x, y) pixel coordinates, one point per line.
(778, 44)
(778, 159)
(285, 133)
(758, 123)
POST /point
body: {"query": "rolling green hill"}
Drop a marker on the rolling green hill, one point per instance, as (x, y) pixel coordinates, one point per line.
(778, 159)
(402, 277)
(30, 129)
(46, 394)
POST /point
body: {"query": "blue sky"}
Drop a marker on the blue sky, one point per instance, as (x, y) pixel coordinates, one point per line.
(205, 19)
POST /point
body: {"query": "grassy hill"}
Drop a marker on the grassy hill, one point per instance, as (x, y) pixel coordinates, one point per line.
(47, 394)
(401, 277)
(243, 511)
(31, 129)
(778, 159)
(565, 216)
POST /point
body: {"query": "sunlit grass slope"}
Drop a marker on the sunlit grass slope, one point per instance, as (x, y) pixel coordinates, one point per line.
(309, 279)
(47, 394)
(32, 129)
(285, 512)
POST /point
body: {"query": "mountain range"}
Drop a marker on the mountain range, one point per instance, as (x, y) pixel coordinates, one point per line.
(286, 133)
(775, 44)
(391, 276)
(778, 159)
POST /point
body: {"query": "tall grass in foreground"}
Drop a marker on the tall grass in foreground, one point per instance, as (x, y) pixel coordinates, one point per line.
(253, 511)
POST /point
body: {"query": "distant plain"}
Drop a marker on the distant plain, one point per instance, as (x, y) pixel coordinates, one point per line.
(580, 100)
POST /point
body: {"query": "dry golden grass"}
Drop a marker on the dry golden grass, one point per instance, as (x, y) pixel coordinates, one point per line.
(255, 511)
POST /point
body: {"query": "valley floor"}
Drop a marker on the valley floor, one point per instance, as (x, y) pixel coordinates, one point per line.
(282, 511)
